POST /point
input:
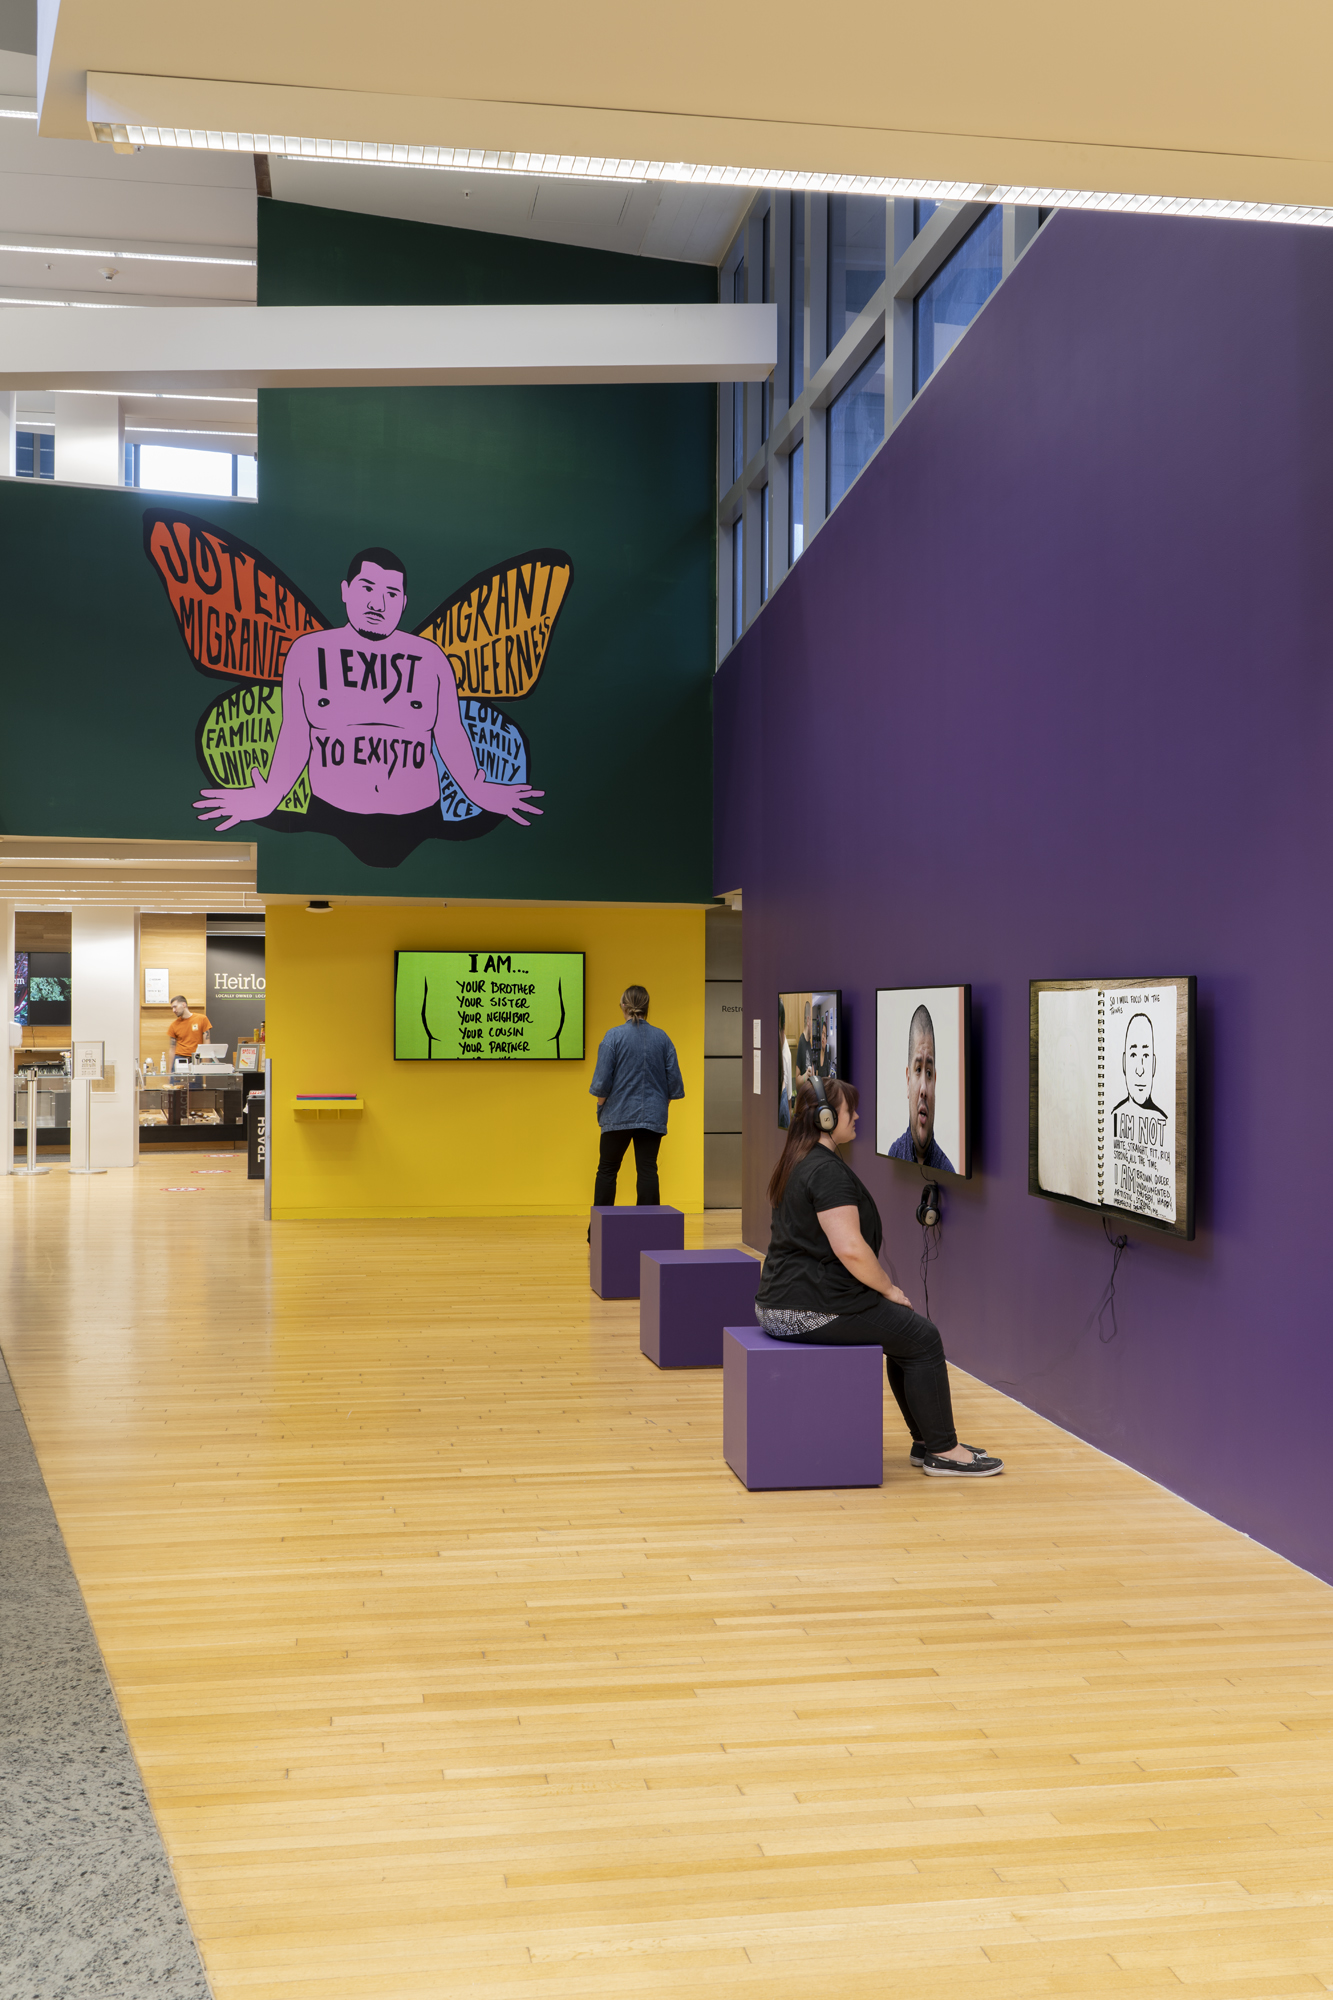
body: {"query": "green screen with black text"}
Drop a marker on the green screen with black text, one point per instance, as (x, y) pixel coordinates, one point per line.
(488, 1006)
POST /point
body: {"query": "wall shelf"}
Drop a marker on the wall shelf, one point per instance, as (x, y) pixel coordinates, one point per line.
(328, 1107)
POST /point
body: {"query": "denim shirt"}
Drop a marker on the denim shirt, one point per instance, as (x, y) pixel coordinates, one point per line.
(637, 1073)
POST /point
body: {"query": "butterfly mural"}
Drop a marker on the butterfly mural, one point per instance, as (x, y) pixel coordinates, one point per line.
(381, 736)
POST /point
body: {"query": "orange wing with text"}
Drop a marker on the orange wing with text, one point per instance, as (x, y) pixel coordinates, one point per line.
(496, 629)
(237, 612)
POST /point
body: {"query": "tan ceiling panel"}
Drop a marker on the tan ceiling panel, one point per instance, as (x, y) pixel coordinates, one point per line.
(1163, 97)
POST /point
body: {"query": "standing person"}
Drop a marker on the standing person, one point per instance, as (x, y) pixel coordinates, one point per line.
(635, 1077)
(188, 1029)
(784, 1092)
(823, 1282)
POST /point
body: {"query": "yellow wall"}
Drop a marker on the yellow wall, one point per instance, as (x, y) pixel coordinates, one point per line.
(466, 1138)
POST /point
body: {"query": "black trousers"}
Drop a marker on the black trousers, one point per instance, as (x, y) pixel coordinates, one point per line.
(615, 1145)
(914, 1358)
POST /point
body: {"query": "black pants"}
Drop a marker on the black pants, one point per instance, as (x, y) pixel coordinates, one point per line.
(914, 1357)
(615, 1145)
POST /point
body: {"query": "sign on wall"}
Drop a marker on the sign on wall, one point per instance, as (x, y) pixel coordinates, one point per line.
(234, 987)
(382, 736)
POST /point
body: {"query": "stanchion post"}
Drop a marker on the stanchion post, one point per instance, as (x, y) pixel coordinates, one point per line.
(32, 1166)
(87, 1167)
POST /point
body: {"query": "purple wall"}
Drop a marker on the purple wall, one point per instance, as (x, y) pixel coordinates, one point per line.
(1051, 696)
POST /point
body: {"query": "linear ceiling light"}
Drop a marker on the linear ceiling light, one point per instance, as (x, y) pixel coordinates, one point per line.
(162, 395)
(123, 256)
(582, 167)
(79, 305)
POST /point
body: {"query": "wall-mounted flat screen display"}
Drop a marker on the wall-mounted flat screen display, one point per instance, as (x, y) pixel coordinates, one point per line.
(1111, 1097)
(21, 987)
(488, 1006)
(49, 989)
(809, 1043)
(923, 1052)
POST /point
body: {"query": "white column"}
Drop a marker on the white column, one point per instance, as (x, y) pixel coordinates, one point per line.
(6, 1058)
(90, 439)
(8, 421)
(104, 977)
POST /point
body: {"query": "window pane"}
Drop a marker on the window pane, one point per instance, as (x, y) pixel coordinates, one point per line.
(797, 295)
(795, 503)
(738, 388)
(46, 454)
(766, 287)
(763, 548)
(922, 214)
(169, 468)
(955, 295)
(247, 476)
(24, 453)
(855, 425)
(855, 257)
(738, 579)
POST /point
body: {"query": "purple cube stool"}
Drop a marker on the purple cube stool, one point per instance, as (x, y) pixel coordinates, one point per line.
(686, 1297)
(617, 1237)
(794, 1415)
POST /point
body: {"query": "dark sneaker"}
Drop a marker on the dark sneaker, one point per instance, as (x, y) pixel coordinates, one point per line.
(918, 1457)
(981, 1466)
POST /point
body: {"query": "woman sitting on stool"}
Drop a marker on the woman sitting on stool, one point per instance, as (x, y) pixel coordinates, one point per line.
(823, 1283)
(635, 1078)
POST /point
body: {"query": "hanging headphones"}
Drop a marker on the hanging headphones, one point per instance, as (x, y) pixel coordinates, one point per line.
(928, 1209)
(828, 1117)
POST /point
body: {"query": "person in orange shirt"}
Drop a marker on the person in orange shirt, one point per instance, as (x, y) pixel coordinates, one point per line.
(188, 1029)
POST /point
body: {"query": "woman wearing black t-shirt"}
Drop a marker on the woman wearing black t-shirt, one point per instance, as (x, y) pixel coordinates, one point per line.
(823, 1282)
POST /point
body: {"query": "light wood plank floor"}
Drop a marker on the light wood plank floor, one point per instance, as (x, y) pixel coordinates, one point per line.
(458, 1664)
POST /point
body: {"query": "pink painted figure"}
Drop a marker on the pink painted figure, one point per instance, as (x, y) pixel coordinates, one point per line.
(360, 711)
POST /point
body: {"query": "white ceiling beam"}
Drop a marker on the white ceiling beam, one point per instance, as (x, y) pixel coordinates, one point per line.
(194, 348)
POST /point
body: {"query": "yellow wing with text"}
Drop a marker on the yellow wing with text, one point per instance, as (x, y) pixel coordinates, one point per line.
(497, 628)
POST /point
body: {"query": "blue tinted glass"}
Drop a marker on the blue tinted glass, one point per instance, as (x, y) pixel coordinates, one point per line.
(797, 295)
(795, 503)
(46, 455)
(955, 295)
(766, 286)
(23, 454)
(738, 579)
(763, 550)
(855, 425)
(738, 390)
(856, 225)
(923, 212)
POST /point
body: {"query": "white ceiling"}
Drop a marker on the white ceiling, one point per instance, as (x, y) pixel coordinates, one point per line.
(63, 198)
(653, 219)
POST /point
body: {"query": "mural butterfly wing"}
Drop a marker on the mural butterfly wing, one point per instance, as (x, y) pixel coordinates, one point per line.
(236, 611)
(495, 631)
(238, 615)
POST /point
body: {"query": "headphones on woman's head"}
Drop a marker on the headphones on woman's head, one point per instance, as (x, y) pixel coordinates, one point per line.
(827, 1116)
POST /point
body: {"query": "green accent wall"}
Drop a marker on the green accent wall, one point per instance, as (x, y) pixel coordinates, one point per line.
(101, 699)
(329, 257)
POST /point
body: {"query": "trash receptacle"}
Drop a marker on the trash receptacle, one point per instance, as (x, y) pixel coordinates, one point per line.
(256, 1119)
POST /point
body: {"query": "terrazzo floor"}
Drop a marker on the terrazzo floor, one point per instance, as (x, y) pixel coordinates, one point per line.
(89, 1908)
